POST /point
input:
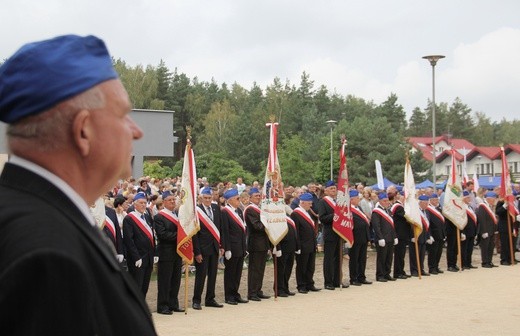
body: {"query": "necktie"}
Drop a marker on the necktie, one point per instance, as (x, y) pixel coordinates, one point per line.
(210, 213)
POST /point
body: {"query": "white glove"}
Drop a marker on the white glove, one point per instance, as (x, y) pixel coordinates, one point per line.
(429, 241)
(298, 252)
(518, 218)
(227, 255)
(381, 242)
(120, 258)
(279, 253)
(462, 237)
(348, 244)
(505, 205)
(138, 263)
(155, 260)
(433, 240)
(413, 240)
(396, 241)
(485, 235)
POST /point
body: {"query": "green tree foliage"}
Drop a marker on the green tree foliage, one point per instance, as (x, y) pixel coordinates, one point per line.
(295, 170)
(156, 169)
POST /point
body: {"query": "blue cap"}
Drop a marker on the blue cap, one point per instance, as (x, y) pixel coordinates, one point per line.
(353, 193)
(254, 191)
(434, 195)
(139, 196)
(206, 191)
(465, 193)
(230, 193)
(42, 74)
(491, 194)
(306, 197)
(424, 198)
(382, 196)
(330, 183)
(166, 194)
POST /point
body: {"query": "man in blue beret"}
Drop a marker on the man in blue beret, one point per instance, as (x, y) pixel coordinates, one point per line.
(403, 231)
(423, 239)
(384, 236)
(358, 252)
(487, 225)
(437, 233)
(469, 233)
(70, 140)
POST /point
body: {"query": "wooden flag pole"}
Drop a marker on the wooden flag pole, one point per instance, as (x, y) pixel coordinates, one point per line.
(275, 263)
(511, 250)
(341, 242)
(419, 268)
(458, 247)
(186, 270)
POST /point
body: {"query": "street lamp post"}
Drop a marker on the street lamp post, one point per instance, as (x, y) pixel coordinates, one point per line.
(331, 124)
(433, 61)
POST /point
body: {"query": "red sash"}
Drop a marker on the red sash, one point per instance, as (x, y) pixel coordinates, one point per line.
(383, 214)
(425, 222)
(490, 213)
(472, 214)
(170, 217)
(290, 221)
(305, 215)
(141, 226)
(251, 206)
(111, 227)
(208, 223)
(330, 201)
(360, 214)
(394, 207)
(436, 213)
(238, 221)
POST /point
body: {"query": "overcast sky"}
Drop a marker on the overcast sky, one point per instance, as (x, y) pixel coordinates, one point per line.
(365, 48)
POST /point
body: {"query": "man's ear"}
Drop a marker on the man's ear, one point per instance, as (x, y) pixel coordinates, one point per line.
(82, 131)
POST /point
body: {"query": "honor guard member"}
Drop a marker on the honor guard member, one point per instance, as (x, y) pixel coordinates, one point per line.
(437, 233)
(403, 231)
(112, 230)
(487, 225)
(332, 241)
(469, 233)
(423, 239)
(451, 246)
(70, 137)
(289, 246)
(257, 245)
(206, 248)
(306, 232)
(169, 268)
(234, 242)
(385, 238)
(139, 240)
(358, 251)
(504, 231)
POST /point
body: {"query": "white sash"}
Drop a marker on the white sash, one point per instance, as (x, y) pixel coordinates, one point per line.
(209, 224)
(235, 216)
(302, 212)
(435, 212)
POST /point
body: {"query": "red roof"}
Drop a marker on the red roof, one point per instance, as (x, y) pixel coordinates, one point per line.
(491, 153)
(424, 144)
(512, 148)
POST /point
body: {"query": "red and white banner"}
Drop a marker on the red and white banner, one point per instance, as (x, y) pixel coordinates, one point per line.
(343, 224)
(506, 192)
(454, 208)
(411, 204)
(188, 219)
(272, 207)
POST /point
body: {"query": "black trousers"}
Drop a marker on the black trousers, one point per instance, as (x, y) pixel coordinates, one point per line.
(358, 261)
(255, 274)
(486, 249)
(505, 250)
(413, 257)
(399, 255)
(451, 250)
(434, 254)
(305, 267)
(168, 283)
(284, 266)
(384, 260)
(207, 268)
(232, 276)
(141, 276)
(331, 259)
(466, 247)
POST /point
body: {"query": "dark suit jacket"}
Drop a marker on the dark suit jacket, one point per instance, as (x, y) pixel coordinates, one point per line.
(306, 233)
(137, 244)
(383, 229)
(166, 232)
(257, 239)
(58, 275)
(118, 240)
(290, 241)
(233, 237)
(326, 215)
(361, 228)
(203, 242)
(485, 221)
(403, 229)
(437, 224)
(471, 228)
(502, 214)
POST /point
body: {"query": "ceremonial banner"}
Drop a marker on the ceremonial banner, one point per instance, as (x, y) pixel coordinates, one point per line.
(343, 223)
(476, 185)
(411, 204)
(188, 219)
(506, 192)
(454, 208)
(272, 207)
(465, 177)
(379, 175)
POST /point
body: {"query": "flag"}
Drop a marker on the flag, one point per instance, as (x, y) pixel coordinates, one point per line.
(272, 207)
(379, 175)
(188, 219)
(454, 208)
(411, 205)
(343, 223)
(506, 192)
(476, 186)
(465, 177)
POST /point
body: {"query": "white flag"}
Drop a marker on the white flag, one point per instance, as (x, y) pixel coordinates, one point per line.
(454, 208)
(379, 175)
(411, 205)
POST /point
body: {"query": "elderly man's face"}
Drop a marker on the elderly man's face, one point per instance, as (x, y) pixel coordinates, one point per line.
(140, 205)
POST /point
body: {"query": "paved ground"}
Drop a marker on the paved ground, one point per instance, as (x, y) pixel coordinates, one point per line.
(475, 302)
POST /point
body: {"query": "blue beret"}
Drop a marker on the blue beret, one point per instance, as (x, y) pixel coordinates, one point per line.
(434, 195)
(330, 183)
(139, 196)
(353, 193)
(254, 191)
(424, 198)
(42, 74)
(491, 194)
(166, 194)
(382, 196)
(230, 193)
(465, 193)
(206, 191)
(306, 197)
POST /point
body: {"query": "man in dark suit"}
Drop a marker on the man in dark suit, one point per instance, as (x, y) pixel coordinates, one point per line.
(112, 230)
(234, 242)
(139, 239)
(422, 240)
(504, 230)
(257, 245)
(70, 139)
(206, 248)
(289, 246)
(487, 225)
(306, 232)
(169, 267)
(469, 233)
(403, 232)
(358, 251)
(437, 232)
(385, 238)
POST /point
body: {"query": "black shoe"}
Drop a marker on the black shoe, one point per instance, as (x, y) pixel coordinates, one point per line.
(303, 291)
(262, 296)
(433, 271)
(283, 294)
(313, 289)
(231, 302)
(252, 298)
(344, 286)
(328, 287)
(381, 280)
(355, 283)
(471, 266)
(493, 265)
(401, 276)
(439, 271)
(407, 275)
(177, 310)
(196, 306)
(214, 304)
(415, 274)
(487, 266)
(366, 282)
(505, 263)
(465, 268)
(389, 278)
(165, 312)
(452, 269)
(291, 293)
(424, 273)
(240, 300)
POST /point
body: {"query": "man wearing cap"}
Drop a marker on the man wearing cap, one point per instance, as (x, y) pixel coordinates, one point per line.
(332, 241)
(423, 239)
(358, 251)
(206, 248)
(70, 140)
(139, 240)
(504, 231)
(289, 246)
(487, 225)
(437, 233)
(468, 234)
(257, 246)
(234, 243)
(306, 233)
(403, 231)
(385, 238)
(169, 267)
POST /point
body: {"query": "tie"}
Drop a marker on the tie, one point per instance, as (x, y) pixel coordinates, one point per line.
(142, 217)
(210, 213)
